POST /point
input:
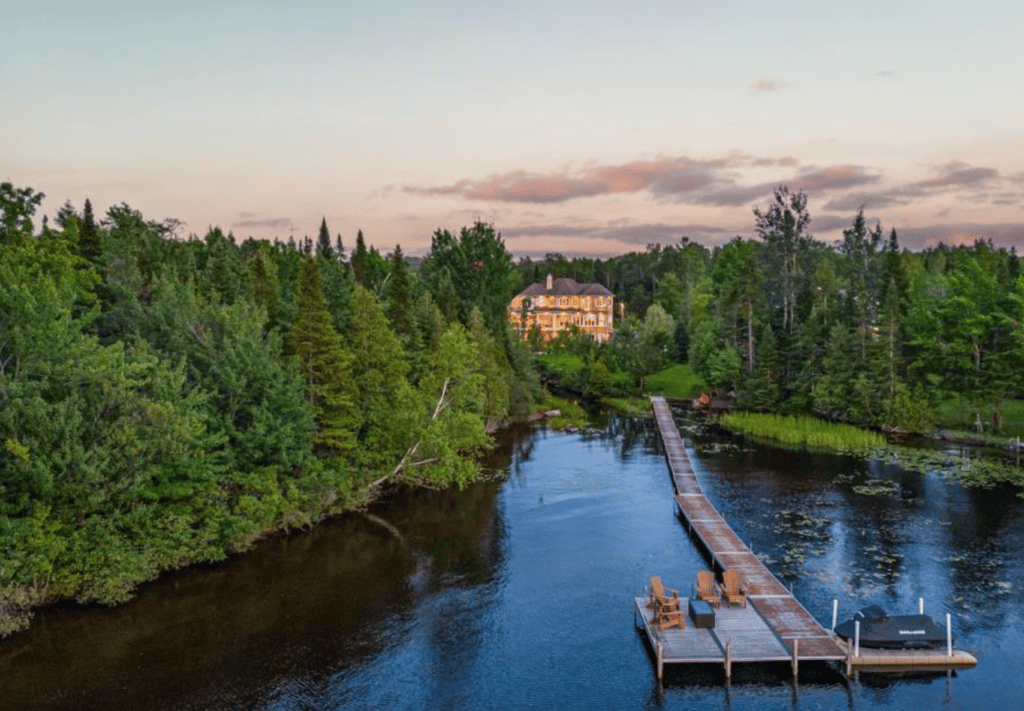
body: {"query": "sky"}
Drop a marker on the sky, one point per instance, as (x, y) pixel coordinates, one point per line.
(584, 128)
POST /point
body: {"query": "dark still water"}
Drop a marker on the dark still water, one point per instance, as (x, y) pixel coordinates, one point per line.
(517, 593)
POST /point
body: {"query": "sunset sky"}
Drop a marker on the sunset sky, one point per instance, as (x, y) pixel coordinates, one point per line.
(590, 128)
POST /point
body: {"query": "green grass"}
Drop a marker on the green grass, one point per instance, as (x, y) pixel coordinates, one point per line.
(676, 381)
(562, 362)
(804, 431)
(630, 406)
(572, 413)
(954, 414)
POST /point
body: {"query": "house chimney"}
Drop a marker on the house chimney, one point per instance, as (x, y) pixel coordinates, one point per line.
(551, 282)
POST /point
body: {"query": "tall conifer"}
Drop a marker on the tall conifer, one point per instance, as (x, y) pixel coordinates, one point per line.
(89, 243)
(324, 250)
(400, 299)
(325, 364)
(359, 257)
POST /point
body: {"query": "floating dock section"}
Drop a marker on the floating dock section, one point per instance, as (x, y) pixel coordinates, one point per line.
(775, 627)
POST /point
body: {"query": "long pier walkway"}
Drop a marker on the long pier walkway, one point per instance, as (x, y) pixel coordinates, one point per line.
(788, 620)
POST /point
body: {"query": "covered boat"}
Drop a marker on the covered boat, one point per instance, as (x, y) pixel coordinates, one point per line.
(880, 630)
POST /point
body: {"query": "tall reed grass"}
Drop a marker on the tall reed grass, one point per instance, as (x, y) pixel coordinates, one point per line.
(802, 430)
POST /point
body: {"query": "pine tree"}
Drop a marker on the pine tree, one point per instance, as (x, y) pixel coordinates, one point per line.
(859, 248)
(359, 257)
(68, 216)
(265, 283)
(448, 298)
(89, 242)
(379, 373)
(324, 250)
(783, 227)
(327, 367)
(430, 321)
(473, 269)
(492, 365)
(400, 300)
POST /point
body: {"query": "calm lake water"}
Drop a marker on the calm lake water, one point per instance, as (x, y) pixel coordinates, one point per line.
(517, 592)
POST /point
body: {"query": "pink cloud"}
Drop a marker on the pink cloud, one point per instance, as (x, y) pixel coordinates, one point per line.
(957, 173)
(675, 178)
(768, 84)
(834, 177)
(276, 223)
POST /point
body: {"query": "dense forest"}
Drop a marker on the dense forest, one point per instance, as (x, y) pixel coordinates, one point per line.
(860, 331)
(169, 399)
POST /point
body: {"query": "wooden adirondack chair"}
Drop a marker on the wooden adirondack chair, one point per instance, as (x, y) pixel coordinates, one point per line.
(666, 618)
(732, 588)
(706, 588)
(660, 599)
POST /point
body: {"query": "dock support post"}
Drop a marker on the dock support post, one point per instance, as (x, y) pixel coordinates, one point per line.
(920, 605)
(796, 657)
(835, 613)
(728, 660)
(849, 658)
(856, 638)
(949, 636)
(659, 660)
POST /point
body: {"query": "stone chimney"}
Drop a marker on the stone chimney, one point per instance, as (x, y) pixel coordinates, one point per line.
(551, 283)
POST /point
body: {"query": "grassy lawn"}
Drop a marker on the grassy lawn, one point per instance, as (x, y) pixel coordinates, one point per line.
(676, 381)
(562, 362)
(954, 414)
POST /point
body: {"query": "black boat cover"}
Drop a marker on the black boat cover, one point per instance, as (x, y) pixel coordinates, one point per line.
(880, 630)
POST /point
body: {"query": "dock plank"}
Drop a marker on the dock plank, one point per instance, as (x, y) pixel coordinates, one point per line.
(773, 621)
(778, 618)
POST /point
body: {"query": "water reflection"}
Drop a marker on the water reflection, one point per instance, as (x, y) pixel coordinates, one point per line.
(296, 609)
(516, 592)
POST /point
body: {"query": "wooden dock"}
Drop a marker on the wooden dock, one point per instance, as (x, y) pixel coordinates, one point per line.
(778, 627)
(740, 634)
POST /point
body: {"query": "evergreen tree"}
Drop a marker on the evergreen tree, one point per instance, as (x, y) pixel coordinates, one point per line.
(492, 365)
(68, 218)
(336, 282)
(400, 308)
(379, 370)
(859, 248)
(760, 391)
(377, 272)
(256, 397)
(474, 269)
(326, 366)
(265, 286)
(90, 243)
(430, 321)
(783, 227)
(358, 262)
(447, 298)
(324, 250)
(892, 309)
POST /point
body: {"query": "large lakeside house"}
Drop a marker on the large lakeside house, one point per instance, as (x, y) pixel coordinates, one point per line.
(557, 304)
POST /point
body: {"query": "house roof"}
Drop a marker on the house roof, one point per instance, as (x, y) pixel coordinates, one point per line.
(564, 286)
